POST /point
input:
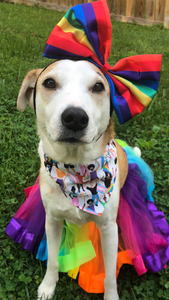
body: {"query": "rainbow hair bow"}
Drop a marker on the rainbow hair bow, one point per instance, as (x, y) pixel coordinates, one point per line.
(85, 32)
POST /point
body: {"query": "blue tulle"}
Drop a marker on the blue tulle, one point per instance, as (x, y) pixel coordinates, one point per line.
(42, 253)
(146, 173)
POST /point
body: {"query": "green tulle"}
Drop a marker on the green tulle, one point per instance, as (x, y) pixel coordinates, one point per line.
(75, 249)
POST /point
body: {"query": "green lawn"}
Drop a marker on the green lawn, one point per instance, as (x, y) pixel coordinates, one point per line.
(23, 34)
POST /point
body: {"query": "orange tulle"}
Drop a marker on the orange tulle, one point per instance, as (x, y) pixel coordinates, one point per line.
(92, 273)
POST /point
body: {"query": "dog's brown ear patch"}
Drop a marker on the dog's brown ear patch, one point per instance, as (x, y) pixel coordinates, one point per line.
(27, 88)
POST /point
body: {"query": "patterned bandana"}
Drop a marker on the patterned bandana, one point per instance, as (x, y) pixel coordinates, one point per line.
(87, 187)
(85, 33)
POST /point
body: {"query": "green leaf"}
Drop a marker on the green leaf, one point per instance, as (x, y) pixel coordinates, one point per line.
(28, 280)
(156, 128)
(11, 256)
(167, 285)
(151, 144)
(142, 143)
(22, 277)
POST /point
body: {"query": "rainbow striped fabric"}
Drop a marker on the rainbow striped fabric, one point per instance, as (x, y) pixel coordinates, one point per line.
(85, 32)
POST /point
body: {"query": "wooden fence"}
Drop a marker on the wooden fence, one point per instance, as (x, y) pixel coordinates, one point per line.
(144, 12)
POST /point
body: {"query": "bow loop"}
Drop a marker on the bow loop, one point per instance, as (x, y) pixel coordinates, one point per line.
(85, 32)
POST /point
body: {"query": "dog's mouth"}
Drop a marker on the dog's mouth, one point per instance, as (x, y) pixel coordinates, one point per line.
(72, 141)
(73, 138)
(70, 137)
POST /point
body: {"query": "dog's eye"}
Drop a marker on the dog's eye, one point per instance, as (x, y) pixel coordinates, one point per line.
(49, 83)
(98, 87)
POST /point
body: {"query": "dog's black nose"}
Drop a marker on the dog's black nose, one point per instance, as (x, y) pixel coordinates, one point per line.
(74, 118)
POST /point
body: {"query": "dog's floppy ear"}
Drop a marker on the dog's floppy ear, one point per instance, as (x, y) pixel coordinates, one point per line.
(27, 89)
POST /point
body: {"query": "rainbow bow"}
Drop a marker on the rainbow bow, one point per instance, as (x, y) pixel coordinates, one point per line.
(85, 32)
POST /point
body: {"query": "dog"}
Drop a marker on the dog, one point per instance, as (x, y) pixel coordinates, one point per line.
(74, 126)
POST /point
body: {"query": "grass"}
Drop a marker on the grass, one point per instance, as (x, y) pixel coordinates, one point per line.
(23, 34)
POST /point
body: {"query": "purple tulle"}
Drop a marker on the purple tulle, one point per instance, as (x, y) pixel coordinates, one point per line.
(144, 229)
(27, 227)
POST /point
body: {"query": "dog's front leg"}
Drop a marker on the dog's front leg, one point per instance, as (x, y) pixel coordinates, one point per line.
(54, 233)
(109, 240)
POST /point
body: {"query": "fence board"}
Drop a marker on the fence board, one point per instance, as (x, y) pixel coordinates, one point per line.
(73, 2)
(64, 2)
(140, 21)
(150, 8)
(160, 10)
(130, 8)
(111, 5)
(166, 15)
(54, 1)
(121, 7)
(140, 8)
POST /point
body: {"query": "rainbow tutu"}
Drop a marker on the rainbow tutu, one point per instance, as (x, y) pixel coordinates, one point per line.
(142, 229)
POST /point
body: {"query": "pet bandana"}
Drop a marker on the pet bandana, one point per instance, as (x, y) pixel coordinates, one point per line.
(85, 32)
(87, 187)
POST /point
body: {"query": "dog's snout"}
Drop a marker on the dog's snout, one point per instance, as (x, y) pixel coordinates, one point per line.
(75, 118)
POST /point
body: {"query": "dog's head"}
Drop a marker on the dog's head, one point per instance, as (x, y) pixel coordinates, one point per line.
(72, 102)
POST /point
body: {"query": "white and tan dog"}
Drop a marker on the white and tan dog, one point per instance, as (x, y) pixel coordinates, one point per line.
(74, 125)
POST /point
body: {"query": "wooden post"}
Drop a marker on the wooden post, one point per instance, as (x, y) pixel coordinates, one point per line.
(160, 10)
(121, 7)
(140, 9)
(111, 5)
(150, 7)
(166, 15)
(130, 8)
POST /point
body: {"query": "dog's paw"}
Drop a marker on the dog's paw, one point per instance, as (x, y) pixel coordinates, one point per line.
(46, 291)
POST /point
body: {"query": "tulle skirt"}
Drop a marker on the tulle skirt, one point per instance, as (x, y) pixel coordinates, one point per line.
(142, 230)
